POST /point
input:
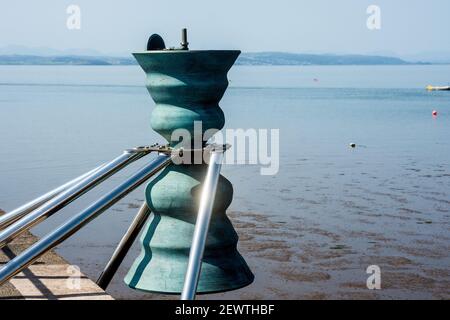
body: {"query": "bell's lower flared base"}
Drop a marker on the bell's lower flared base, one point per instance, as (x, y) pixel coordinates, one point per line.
(165, 273)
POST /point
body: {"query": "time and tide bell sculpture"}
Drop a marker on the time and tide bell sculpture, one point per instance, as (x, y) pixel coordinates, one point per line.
(186, 86)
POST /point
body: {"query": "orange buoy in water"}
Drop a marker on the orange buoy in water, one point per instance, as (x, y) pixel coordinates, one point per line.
(435, 113)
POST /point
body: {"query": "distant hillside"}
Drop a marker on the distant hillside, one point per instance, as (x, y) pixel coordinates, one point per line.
(64, 60)
(252, 59)
(294, 59)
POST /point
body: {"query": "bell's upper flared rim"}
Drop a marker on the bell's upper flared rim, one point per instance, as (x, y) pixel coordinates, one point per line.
(187, 61)
(152, 52)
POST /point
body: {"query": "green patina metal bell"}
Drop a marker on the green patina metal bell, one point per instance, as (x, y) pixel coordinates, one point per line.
(186, 87)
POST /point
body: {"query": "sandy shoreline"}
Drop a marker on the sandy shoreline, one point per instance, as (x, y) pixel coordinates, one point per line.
(49, 278)
(14, 248)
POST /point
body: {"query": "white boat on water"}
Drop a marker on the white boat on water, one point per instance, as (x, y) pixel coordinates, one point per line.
(432, 88)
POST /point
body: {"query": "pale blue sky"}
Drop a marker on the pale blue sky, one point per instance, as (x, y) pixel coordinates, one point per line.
(408, 26)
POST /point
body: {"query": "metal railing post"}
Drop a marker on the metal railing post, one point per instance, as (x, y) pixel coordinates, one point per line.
(123, 247)
(202, 225)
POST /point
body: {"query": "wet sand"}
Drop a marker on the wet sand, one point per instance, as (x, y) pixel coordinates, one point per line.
(297, 258)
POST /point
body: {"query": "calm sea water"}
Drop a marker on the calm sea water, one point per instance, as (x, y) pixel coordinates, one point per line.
(58, 122)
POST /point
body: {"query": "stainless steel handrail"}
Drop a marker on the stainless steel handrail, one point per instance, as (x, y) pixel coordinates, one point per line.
(202, 225)
(67, 196)
(74, 224)
(16, 214)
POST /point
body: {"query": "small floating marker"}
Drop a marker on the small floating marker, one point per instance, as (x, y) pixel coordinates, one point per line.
(353, 145)
(434, 113)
